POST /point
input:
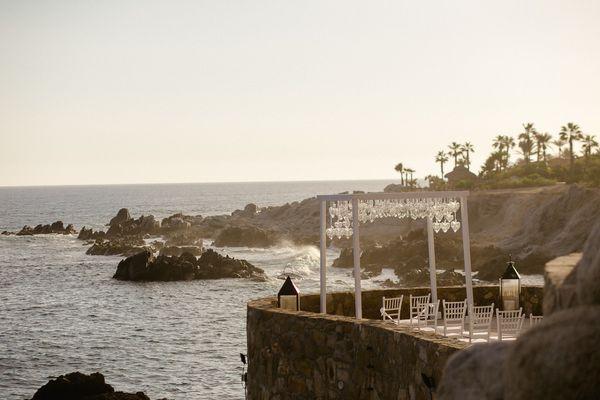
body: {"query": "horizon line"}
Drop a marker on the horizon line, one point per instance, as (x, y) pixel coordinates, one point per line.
(193, 183)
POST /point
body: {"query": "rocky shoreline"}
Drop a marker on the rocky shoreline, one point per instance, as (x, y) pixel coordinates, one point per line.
(534, 225)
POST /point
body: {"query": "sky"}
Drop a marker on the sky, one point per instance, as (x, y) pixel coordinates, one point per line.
(214, 91)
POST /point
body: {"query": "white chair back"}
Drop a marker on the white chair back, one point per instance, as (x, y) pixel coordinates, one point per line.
(428, 315)
(392, 308)
(509, 323)
(417, 304)
(480, 321)
(535, 319)
(454, 315)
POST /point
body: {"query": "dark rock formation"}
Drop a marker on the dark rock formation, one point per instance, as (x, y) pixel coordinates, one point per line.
(179, 221)
(410, 253)
(55, 227)
(117, 246)
(7, 233)
(179, 250)
(90, 234)
(78, 386)
(185, 238)
(248, 212)
(211, 265)
(141, 226)
(121, 217)
(237, 236)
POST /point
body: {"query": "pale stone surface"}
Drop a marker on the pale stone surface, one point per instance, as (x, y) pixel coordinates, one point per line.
(558, 359)
(475, 373)
(559, 281)
(588, 270)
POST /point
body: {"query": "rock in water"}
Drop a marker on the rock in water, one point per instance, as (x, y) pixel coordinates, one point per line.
(90, 234)
(237, 236)
(121, 217)
(179, 250)
(55, 227)
(78, 386)
(211, 265)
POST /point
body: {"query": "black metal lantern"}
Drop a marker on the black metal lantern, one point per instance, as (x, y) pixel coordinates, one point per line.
(510, 287)
(288, 297)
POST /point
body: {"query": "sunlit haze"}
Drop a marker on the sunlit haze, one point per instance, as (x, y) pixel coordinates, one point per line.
(175, 91)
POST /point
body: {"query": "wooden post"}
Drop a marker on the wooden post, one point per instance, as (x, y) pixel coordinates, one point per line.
(464, 213)
(356, 253)
(432, 268)
(323, 245)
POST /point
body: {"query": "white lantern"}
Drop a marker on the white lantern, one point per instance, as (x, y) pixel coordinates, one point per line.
(288, 297)
(510, 287)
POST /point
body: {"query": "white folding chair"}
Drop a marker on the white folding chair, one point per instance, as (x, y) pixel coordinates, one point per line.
(428, 315)
(391, 309)
(535, 319)
(509, 323)
(454, 315)
(480, 321)
(417, 303)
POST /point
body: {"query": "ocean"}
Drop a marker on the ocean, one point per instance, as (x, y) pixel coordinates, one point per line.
(61, 311)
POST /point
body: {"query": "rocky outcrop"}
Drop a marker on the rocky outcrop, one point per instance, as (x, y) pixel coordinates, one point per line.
(56, 227)
(90, 234)
(407, 255)
(179, 221)
(238, 236)
(78, 386)
(122, 216)
(144, 225)
(118, 246)
(211, 265)
(179, 250)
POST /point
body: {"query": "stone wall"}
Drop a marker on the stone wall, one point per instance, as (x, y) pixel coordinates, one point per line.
(307, 355)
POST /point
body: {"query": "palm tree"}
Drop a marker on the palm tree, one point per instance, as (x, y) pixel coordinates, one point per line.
(409, 171)
(526, 143)
(559, 143)
(400, 168)
(544, 140)
(442, 158)
(507, 143)
(570, 133)
(589, 143)
(455, 151)
(467, 149)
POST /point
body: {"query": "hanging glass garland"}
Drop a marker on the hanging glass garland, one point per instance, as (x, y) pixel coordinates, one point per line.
(441, 211)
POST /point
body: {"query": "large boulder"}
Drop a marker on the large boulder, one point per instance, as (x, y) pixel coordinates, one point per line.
(78, 386)
(475, 373)
(245, 236)
(557, 359)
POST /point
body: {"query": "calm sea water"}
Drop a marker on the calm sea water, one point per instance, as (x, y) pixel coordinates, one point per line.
(60, 311)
